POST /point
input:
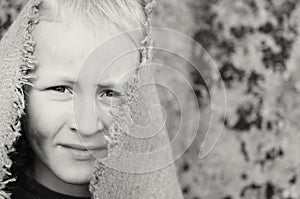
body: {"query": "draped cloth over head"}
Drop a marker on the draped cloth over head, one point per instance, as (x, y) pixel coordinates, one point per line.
(135, 168)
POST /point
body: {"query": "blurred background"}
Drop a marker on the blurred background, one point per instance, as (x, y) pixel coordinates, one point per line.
(250, 47)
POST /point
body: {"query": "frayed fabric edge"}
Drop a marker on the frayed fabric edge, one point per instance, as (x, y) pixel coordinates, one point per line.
(28, 63)
(117, 129)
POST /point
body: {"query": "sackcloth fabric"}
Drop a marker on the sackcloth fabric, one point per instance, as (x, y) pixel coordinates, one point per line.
(135, 168)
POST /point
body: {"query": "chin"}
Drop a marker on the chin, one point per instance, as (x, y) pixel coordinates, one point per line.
(78, 172)
(62, 169)
(75, 175)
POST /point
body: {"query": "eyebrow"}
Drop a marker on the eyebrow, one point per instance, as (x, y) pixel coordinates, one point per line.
(108, 84)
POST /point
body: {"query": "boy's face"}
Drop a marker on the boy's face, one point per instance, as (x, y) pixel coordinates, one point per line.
(63, 145)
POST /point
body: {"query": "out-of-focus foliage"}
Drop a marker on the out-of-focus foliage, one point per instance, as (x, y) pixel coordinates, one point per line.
(255, 44)
(9, 10)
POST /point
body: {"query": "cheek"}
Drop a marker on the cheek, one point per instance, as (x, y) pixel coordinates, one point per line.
(46, 112)
(104, 115)
(43, 118)
(36, 132)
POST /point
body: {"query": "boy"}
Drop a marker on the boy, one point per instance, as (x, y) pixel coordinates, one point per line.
(69, 120)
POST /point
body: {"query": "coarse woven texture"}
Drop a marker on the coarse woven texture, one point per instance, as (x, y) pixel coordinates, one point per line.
(131, 153)
(16, 63)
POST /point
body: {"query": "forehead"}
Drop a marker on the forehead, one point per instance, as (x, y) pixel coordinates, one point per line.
(64, 48)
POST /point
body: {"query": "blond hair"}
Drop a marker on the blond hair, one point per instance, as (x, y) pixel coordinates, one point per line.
(115, 15)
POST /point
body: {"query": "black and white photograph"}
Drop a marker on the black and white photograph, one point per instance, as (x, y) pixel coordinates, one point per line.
(149, 99)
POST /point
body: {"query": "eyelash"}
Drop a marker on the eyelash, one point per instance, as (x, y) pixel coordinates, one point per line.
(55, 88)
(115, 93)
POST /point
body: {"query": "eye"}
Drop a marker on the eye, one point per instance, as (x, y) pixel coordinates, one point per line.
(110, 98)
(60, 89)
(109, 93)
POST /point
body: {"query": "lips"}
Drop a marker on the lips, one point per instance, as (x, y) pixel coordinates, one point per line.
(83, 147)
(84, 153)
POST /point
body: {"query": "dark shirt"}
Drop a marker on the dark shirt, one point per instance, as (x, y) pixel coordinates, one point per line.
(27, 187)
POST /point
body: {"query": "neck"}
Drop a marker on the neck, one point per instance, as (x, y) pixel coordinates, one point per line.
(43, 175)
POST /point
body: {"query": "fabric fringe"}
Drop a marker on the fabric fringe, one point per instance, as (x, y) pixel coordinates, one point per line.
(147, 42)
(29, 63)
(119, 127)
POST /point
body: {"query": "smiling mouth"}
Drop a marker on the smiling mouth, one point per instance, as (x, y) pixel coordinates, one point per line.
(80, 152)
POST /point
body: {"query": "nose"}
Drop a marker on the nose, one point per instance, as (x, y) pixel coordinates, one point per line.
(87, 117)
